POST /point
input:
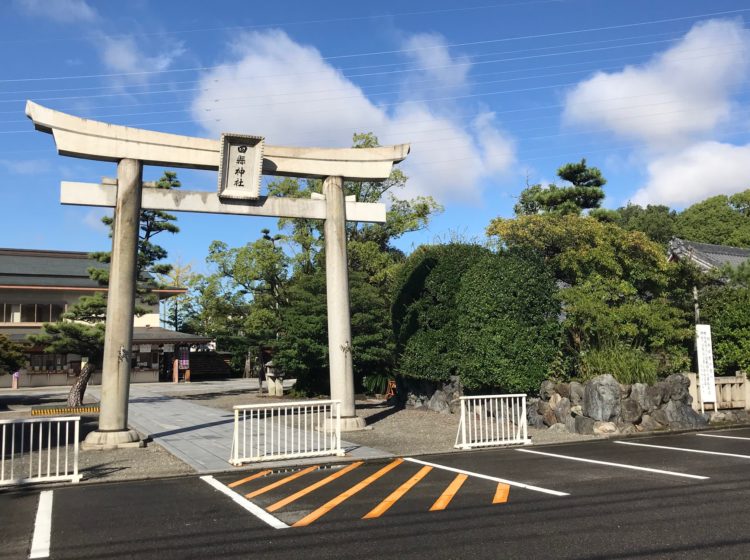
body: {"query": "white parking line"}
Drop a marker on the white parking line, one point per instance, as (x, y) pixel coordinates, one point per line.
(686, 449)
(620, 465)
(258, 512)
(724, 437)
(487, 477)
(42, 526)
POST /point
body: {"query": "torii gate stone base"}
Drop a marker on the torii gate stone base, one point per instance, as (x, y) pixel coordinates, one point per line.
(132, 148)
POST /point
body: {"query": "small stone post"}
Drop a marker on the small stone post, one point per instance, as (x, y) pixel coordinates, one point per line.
(339, 313)
(118, 338)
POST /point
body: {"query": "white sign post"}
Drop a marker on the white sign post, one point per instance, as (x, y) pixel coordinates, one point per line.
(705, 365)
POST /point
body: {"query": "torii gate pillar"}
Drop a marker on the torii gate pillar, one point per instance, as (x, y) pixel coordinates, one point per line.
(118, 335)
(339, 316)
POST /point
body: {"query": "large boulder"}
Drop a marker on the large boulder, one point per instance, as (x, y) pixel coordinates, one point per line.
(649, 424)
(562, 410)
(554, 401)
(682, 416)
(584, 425)
(535, 419)
(638, 394)
(563, 389)
(601, 398)
(546, 390)
(576, 393)
(678, 387)
(439, 402)
(559, 428)
(630, 410)
(604, 428)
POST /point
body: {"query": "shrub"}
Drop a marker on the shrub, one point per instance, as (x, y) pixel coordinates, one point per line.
(508, 325)
(424, 311)
(628, 364)
(727, 310)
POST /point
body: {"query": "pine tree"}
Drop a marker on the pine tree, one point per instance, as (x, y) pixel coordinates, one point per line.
(584, 193)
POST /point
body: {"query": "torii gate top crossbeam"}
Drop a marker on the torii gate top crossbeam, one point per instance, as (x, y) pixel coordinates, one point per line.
(90, 139)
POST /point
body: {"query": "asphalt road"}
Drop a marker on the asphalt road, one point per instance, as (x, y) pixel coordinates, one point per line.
(501, 503)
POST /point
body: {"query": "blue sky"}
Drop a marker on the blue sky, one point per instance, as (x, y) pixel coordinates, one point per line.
(490, 95)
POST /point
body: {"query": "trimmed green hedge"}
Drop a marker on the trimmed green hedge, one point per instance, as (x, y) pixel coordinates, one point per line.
(424, 310)
(491, 318)
(507, 323)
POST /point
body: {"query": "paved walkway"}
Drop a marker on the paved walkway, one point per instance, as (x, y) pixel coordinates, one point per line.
(201, 436)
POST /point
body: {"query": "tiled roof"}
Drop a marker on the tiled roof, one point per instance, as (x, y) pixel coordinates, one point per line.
(69, 269)
(141, 335)
(706, 255)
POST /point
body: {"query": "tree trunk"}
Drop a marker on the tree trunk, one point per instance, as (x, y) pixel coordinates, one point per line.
(75, 397)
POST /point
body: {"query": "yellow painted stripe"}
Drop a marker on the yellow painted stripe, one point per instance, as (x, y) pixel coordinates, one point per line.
(397, 494)
(297, 495)
(501, 494)
(249, 478)
(325, 508)
(445, 498)
(281, 482)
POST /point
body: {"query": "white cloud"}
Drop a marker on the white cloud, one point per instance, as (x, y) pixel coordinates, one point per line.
(429, 52)
(288, 93)
(702, 170)
(678, 96)
(123, 54)
(59, 10)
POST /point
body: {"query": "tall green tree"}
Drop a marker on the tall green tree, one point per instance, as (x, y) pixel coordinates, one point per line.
(617, 286)
(583, 192)
(658, 222)
(721, 220)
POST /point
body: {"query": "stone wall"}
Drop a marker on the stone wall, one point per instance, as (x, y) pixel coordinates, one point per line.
(604, 406)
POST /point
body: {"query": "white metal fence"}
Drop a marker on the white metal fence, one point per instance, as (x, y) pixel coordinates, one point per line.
(269, 432)
(39, 450)
(491, 420)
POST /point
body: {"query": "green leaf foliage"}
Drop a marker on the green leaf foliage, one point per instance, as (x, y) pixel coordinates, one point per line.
(583, 192)
(721, 220)
(302, 348)
(425, 318)
(507, 323)
(11, 355)
(727, 310)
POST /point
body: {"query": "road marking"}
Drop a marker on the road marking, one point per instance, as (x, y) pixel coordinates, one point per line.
(487, 477)
(397, 494)
(42, 526)
(724, 437)
(445, 498)
(501, 494)
(325, 508)
(258, 512)
(281, 482)
(297, 495)
(619, 465)
(686, 449)
(249, 478)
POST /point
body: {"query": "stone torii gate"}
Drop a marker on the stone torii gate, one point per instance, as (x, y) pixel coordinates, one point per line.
(238, 193)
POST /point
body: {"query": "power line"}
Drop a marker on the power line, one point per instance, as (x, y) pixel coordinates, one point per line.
(395, 51)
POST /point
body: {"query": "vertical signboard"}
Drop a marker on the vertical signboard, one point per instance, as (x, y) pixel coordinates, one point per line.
(705, 363)
(241, 166)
